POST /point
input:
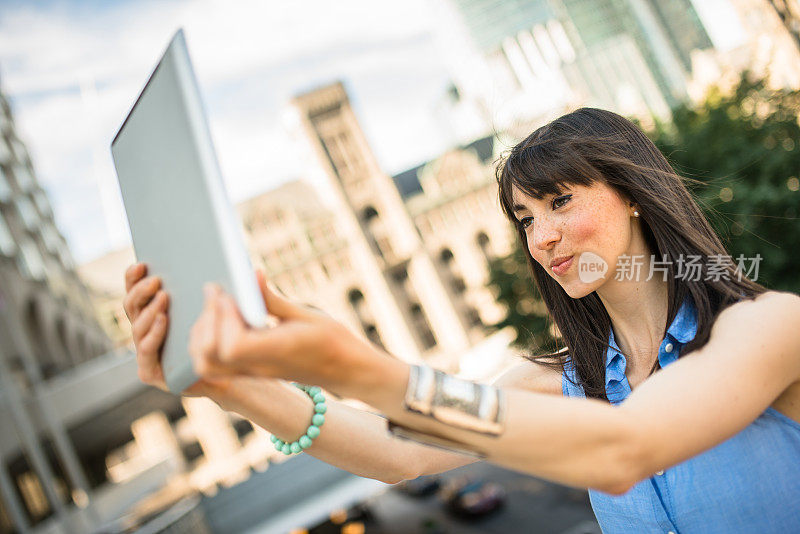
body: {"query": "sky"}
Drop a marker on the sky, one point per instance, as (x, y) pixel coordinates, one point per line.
(72, 69)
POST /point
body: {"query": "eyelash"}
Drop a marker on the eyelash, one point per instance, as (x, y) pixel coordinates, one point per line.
(522, 222)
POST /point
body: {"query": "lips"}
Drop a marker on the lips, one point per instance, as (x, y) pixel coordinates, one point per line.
(560, 259)
(561, 265)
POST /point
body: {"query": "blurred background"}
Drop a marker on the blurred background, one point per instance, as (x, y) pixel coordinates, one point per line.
(345, 130)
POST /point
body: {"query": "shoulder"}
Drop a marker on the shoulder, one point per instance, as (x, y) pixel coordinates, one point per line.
(531, 376)
(764, 328)
(782, 306)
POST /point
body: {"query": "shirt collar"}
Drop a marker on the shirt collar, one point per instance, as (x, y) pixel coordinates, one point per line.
(682, 330)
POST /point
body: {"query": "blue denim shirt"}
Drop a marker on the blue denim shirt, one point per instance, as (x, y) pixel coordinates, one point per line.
(748, 483)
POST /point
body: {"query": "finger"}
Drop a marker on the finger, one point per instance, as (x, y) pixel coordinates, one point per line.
(203, 338)
(139, 295)
(277, 304)
(133, 274)
(230, 327)
(144, 320)
(199, 331)
(148, 350)
(207, 334)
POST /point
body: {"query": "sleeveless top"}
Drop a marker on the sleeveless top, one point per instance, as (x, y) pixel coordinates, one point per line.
(748, 483)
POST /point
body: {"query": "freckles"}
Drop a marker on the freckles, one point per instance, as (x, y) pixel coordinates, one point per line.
(583, 226)
(595, 225)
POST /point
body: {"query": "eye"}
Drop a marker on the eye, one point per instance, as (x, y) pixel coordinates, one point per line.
(525, 222)
(557, 202)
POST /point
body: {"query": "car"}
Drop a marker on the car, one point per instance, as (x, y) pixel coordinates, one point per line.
(476, 498)
(421, 486)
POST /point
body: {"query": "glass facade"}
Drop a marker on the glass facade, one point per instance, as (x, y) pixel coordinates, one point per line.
(7, 244)
(664, 33)
(30, 260)
(27, 212)
(491, 21)
(5, 188)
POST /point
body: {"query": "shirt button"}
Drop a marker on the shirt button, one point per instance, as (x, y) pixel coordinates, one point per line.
(670, 532)
(668, 347)
(659, 473)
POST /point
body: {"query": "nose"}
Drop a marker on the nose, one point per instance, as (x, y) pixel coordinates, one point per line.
(545, 234)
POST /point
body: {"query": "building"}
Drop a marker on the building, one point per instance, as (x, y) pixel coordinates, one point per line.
(747, 34)
(516, 65)
(535, 58)
(402, 260)
(69, 401)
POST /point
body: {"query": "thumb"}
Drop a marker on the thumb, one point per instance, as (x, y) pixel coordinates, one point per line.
(277, 304)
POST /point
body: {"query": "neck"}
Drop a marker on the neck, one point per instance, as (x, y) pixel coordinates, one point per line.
(638, 312)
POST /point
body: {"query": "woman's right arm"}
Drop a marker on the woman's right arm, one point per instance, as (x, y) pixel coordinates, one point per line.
(352, 439)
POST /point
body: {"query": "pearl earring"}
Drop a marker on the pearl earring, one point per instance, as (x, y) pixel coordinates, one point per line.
(635, 213)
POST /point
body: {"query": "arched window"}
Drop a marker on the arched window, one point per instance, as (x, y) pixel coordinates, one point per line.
(368, 213)
(35, 332)
(356, 299)
(61, 334)
(376, 236)
(453, 277)
(446, 256)
(485, 246)
(421, 326)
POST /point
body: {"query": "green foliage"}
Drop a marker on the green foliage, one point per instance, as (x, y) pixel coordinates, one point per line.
(510, 279)
(743, 148)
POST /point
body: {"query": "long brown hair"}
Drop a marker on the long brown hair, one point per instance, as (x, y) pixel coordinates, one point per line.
(592, 145)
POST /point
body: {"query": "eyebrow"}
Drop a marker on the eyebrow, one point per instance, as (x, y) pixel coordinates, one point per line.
(518, 207)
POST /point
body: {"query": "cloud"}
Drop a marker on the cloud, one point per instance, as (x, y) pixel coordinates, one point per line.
(73, 69)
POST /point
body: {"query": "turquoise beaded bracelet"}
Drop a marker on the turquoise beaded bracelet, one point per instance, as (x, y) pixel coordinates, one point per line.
(313, 430)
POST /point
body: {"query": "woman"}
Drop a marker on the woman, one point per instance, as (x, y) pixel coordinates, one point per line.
(687, 416)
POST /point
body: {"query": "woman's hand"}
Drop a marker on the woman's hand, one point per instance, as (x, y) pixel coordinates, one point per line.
(147, 309)
(307, 345)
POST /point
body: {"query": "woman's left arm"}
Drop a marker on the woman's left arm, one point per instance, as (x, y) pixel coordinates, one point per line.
(702, 399)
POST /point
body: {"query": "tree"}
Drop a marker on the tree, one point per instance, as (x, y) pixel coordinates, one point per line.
(742, 147)
(510, 280)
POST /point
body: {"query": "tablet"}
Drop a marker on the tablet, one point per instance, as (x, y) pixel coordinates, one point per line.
(182, 223)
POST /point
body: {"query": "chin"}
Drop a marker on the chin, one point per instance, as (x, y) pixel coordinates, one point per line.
(577, 289)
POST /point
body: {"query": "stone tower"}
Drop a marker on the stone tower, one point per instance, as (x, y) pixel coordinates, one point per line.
(402, 303)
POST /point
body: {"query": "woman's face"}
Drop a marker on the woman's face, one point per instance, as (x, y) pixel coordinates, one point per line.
(591, 225)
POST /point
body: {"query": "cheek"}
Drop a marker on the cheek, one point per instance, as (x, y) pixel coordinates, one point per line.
(584, 227)
(598, 230)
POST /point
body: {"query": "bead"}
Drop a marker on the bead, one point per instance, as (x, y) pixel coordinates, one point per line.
(315, 393)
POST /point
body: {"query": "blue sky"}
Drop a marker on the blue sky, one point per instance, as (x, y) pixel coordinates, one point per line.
(72, 70)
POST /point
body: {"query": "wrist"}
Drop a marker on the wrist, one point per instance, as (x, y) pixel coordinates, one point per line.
(239, 392)
(379, 378)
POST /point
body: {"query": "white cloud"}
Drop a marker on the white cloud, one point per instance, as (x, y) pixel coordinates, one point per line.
(72, 75)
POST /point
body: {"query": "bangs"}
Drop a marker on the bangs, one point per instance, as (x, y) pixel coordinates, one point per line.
(539, 170)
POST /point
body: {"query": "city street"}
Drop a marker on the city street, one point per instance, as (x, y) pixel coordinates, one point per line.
(531, 506)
